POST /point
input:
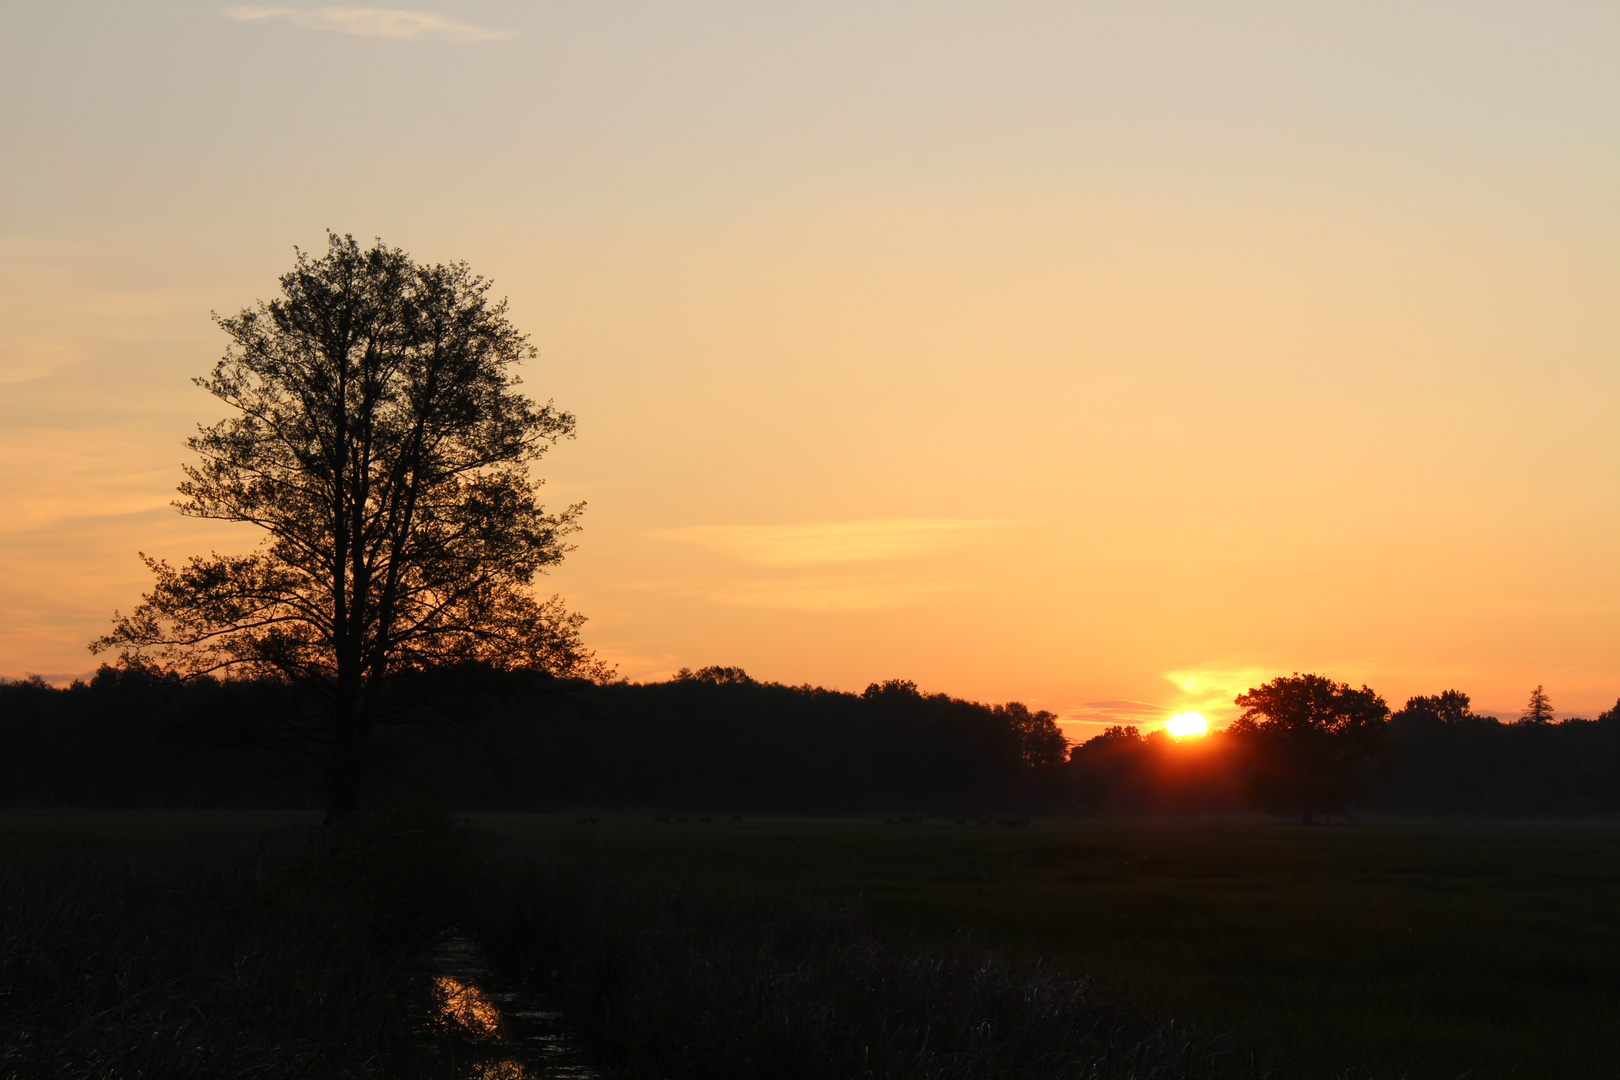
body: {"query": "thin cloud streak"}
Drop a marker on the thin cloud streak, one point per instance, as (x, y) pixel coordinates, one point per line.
(833, 594)
(373, 22)
(1116, 711)
(824, 594)
(833, 542)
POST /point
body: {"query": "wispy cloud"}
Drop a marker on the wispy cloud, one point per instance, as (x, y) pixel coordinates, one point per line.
(829, 593)
(832, 594)
(1116, 711)
(1208, 690)
(18, 369)
(374, 22)
(833, 542)
(1215, 687)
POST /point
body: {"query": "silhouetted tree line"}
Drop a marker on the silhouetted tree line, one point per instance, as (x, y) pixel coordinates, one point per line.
(119, 741)
(1310, 746)
(718, 741)
(712, 740)
(1452, 761)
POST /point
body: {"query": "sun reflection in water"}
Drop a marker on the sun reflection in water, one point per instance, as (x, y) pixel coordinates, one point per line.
(463, 1005)
(504, 1069)
(497, 1035)
(466, 1007)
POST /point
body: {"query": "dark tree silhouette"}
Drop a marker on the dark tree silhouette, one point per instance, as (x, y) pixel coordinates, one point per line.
(1038, 734)
(380, 443)
(1447, 707)
(1314, 742)
(1539, 709)
(714, 673)
(1108, 769)
(738, 745)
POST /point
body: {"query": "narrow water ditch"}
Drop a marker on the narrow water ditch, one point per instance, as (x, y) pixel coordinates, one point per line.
(508, 1032)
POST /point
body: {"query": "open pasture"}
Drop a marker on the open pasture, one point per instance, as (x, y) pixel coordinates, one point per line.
(1486, 950)
(1429, 950)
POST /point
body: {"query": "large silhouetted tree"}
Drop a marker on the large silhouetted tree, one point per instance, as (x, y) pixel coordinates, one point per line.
(1314, 742)
(379, 442)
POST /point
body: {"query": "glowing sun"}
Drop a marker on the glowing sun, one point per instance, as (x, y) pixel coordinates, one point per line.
(1186, 723)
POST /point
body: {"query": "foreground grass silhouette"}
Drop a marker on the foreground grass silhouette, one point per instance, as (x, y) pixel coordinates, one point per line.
(237, 945)
(215, 945)
(1422, 950)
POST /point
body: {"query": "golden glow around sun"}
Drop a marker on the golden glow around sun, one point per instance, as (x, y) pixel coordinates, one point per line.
(1187, 723)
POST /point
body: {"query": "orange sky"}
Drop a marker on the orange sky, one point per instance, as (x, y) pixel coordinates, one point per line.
(1112, 357)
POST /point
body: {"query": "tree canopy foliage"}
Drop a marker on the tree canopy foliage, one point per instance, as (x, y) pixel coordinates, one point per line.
(379, 441)
(1316, 742)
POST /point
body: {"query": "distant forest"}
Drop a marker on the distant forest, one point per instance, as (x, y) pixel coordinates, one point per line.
(716, 742)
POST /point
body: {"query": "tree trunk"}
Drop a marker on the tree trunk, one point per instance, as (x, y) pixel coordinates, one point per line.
(345, 771)
(342, 788)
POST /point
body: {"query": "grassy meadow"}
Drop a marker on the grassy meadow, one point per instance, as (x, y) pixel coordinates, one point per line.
(1431, 950)
(839, 947)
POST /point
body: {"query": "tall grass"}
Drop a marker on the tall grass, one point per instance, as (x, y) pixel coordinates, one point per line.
(277, 956)
(664, 980)
(802, 950)
(1431, 951)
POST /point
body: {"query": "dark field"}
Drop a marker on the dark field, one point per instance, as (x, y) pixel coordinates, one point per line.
(1485, 950)
(1481, 950)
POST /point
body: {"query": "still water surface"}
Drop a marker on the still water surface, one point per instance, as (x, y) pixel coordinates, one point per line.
(519, 1038)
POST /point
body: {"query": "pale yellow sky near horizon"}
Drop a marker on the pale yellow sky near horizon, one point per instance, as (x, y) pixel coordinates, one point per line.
(1113, 357)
